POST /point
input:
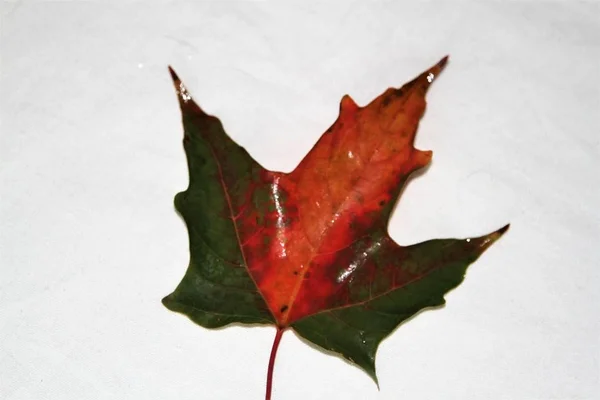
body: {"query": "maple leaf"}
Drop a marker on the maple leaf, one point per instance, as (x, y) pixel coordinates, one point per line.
(309, 250)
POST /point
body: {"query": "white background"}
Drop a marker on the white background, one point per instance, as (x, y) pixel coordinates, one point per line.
(91, 157)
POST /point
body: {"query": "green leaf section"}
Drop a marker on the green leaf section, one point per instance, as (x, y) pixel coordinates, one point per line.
(217, 289)
(355, 332)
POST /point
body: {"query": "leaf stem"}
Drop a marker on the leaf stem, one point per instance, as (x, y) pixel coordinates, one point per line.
(272, 362)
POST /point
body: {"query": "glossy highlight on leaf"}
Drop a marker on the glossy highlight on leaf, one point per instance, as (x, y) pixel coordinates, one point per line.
(309, 250)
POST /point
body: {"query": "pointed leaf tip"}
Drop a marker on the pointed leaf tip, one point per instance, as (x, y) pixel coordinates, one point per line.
(487, 240)
(173, 74)
(434, 71)
(442, 63)
(182, 92)
(497, 234)
(502, 230)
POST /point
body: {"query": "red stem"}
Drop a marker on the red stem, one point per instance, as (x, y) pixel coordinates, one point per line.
(272, 362)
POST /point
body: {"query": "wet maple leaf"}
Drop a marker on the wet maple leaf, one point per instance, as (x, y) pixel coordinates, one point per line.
(309, 250)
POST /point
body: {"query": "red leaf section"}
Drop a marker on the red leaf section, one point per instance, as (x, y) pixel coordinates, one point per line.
(300, 250)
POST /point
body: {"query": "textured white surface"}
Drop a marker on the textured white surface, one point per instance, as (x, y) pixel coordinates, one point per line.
(90, 158)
